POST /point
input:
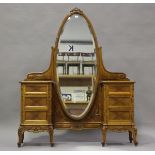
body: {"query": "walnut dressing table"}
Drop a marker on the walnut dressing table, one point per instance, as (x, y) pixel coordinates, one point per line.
(76, 92)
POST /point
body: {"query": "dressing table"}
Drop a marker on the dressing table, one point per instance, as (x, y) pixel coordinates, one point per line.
(76, 92)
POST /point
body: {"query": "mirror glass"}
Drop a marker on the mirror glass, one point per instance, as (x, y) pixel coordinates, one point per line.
(76, 65)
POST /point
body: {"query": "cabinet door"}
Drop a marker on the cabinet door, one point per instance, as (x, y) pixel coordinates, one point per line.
(118, 103)
(36, 103)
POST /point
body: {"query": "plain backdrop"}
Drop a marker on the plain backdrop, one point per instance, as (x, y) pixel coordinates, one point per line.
(126, 33)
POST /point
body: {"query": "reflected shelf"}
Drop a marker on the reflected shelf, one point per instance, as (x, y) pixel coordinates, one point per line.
(77, 76)
(77, 102)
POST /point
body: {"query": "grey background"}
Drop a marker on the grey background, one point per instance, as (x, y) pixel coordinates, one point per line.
(127, 34)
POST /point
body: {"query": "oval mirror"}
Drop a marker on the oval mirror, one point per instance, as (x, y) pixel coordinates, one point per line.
(76, 66)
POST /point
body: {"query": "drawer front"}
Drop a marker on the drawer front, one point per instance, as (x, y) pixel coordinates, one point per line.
(35, 115)
(119, 116)
(36, 88)
(36, 101)
(35, 118)
(119, 101)
(119, 88)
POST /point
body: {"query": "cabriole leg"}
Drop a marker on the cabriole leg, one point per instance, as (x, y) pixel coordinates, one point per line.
(130, 136)
(104, 135)
(51, 131)
(20, 136)
(135, 136)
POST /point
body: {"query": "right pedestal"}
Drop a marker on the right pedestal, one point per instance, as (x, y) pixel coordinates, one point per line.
(118, 109)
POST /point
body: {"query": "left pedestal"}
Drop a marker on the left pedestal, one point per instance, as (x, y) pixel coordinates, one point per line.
(36, 108)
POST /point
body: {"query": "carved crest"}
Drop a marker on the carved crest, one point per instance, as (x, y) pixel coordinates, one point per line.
(76, 10)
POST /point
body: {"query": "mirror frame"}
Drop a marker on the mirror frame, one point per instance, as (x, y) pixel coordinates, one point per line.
(92, 31)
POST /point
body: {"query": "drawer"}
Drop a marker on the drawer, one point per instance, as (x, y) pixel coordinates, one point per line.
(119, 88)
(36, 88)
(119, 115)
(36, 101)
(119, 94)
(35, 115)
(119, 101)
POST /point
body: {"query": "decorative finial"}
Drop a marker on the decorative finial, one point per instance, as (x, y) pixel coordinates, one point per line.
(76, 10)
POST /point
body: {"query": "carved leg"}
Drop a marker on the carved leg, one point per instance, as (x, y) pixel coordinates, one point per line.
(103, 135)
(130, 136)
(20, 136)
(51, 136)
(135, 136)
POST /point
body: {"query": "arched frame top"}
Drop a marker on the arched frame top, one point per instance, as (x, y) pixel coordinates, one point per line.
(90, 26)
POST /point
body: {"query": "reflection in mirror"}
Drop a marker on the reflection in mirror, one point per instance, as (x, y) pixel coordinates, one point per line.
(76, 65)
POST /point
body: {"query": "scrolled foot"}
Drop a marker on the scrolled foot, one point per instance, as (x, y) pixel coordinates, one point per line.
(130, 137)
(52, 144)
(103, 144)
(136, 143)
(51, 136)
(104, 136)
(135, 137)
(20, 136)
(19, 144)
